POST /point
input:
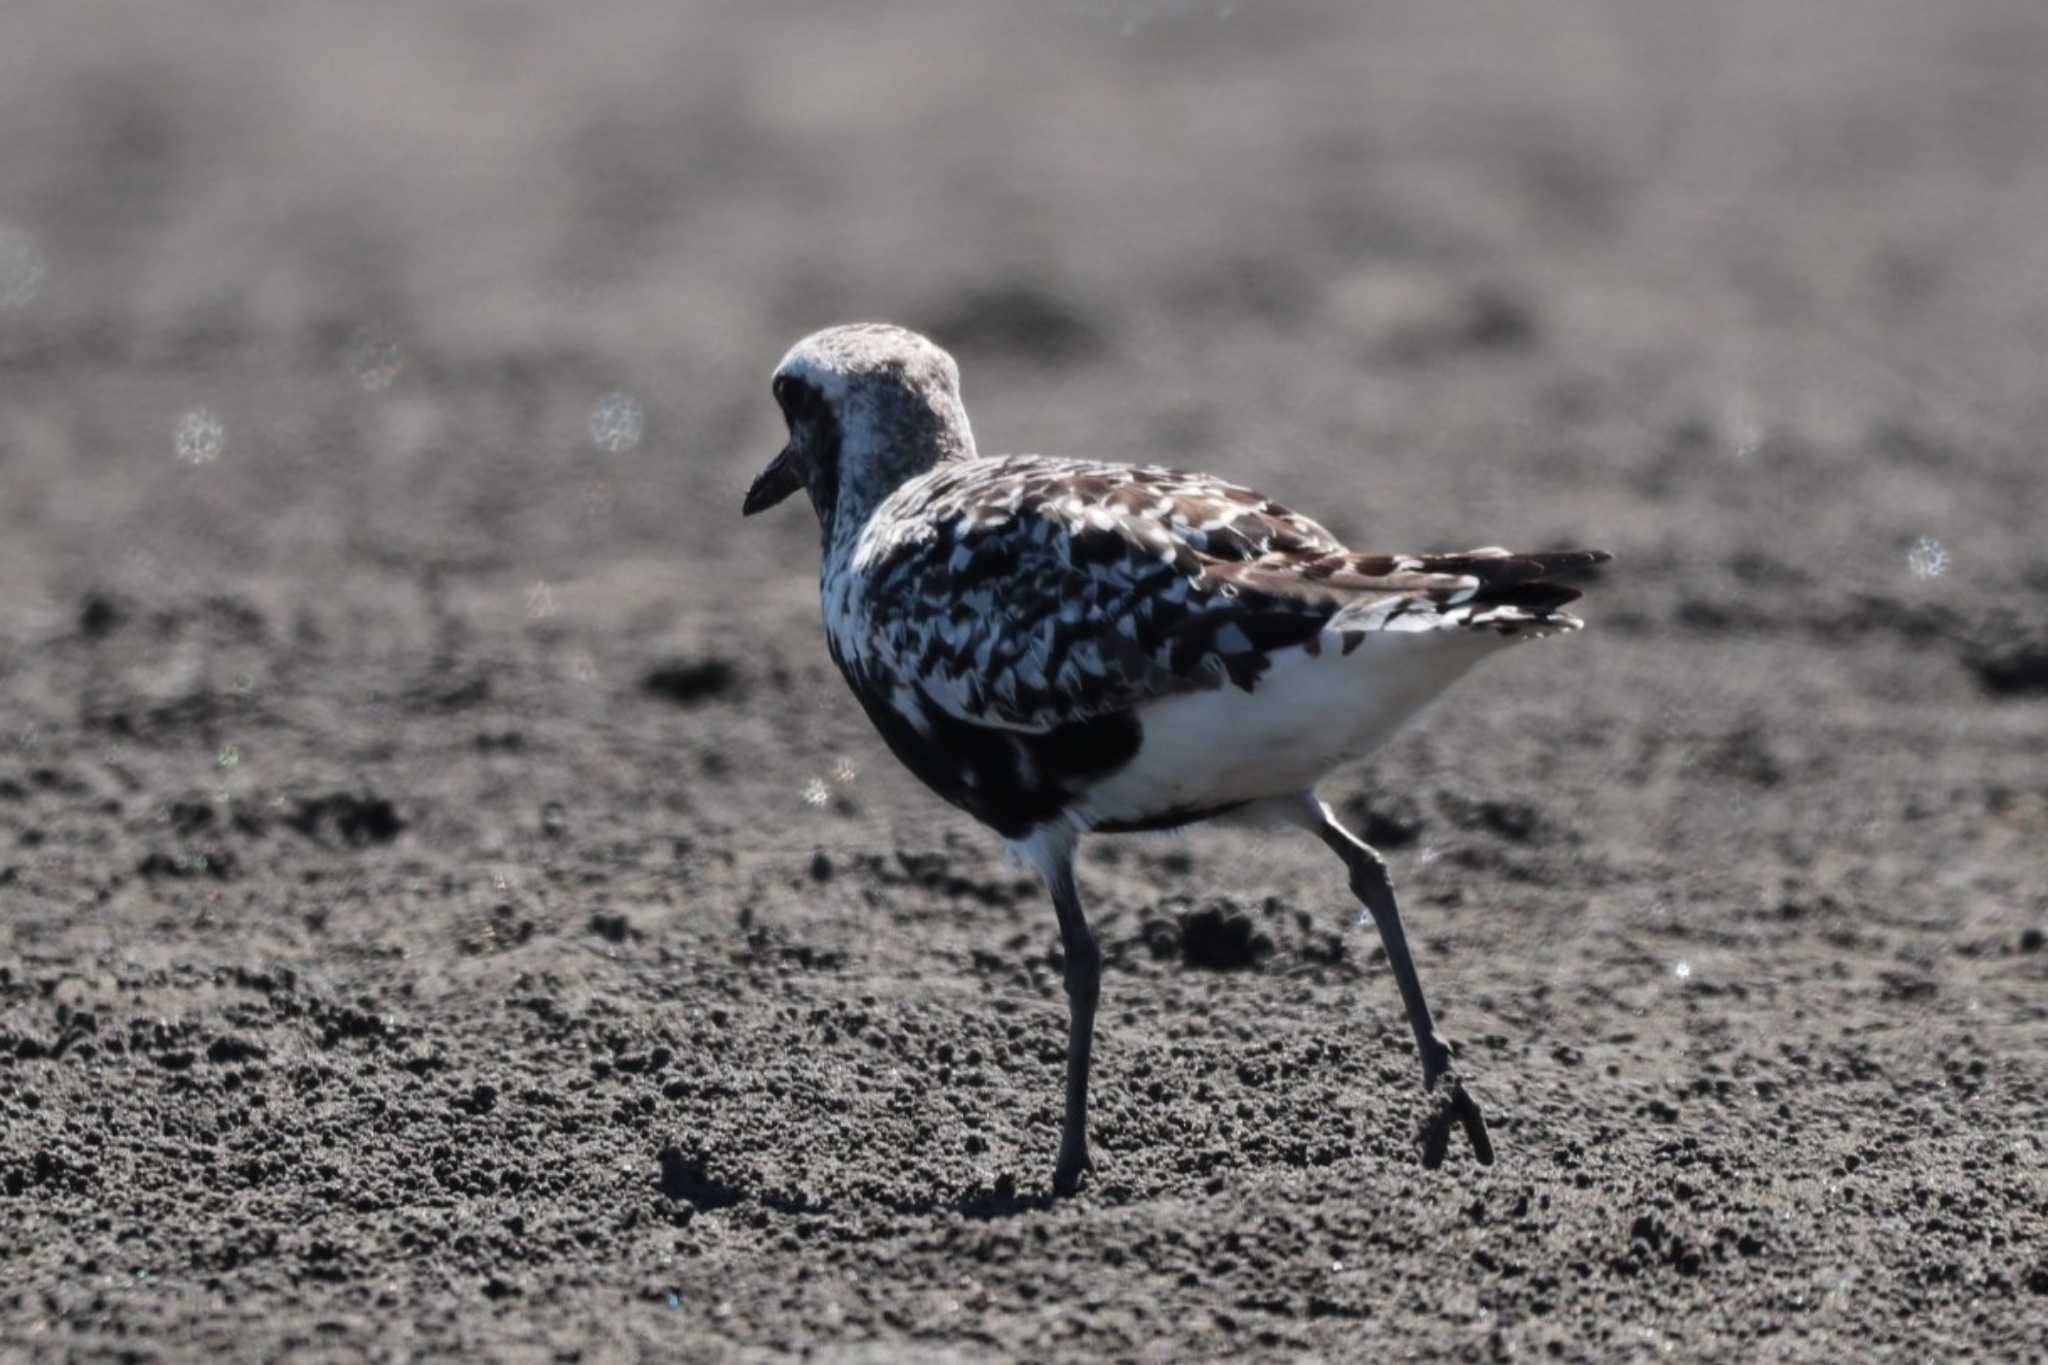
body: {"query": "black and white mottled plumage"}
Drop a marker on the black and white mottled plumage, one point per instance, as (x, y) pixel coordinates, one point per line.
(1061, 647)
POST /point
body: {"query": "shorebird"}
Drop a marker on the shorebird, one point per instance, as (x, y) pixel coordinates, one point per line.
(1065, 647)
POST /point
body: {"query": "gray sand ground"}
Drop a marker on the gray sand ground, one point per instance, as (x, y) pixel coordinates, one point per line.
(451, 906)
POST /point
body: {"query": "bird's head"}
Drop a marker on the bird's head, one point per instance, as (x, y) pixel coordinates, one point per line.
(868, 406)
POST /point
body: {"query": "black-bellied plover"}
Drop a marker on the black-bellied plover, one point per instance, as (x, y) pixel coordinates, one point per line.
(1065, 647)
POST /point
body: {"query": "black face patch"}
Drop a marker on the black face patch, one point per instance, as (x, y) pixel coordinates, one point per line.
(814, 434)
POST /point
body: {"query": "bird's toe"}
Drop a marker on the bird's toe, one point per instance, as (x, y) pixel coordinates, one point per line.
(1067, 1176)
(1454, 1105)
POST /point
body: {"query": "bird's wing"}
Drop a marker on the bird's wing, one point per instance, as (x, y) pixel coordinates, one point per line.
(1036, 592)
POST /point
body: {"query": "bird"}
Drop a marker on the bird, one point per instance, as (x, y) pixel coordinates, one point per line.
(1069, 647)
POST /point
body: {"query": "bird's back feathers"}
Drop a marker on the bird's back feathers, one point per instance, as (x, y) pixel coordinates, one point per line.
(1026, 593)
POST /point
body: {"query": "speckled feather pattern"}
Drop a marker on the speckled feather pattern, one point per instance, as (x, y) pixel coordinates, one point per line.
(1063, 645)
(1027, 592)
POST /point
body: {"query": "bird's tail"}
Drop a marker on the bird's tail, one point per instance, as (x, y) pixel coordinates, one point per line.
(1487, 589)
(1519, 594)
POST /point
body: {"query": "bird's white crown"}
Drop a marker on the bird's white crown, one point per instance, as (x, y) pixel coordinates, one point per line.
(871, 406)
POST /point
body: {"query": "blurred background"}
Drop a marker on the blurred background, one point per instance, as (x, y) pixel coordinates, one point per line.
(405, 364)
(1496, 271)
(440, 333)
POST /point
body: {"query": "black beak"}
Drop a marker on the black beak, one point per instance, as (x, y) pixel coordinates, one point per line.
(777, 481)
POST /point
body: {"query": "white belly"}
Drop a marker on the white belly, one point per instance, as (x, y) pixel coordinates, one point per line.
(1307, 716)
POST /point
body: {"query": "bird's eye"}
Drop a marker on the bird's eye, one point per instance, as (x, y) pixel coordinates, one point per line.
(782, 387)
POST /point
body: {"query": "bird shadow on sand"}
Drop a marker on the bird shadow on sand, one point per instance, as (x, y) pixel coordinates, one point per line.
(687, 1180)
(986, 1202)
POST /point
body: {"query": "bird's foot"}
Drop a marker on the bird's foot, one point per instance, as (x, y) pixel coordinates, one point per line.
(1452, 1104)
(1436, 1055)
(1066, 1177)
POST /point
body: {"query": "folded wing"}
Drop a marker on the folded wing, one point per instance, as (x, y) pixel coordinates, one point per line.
(1068, 590)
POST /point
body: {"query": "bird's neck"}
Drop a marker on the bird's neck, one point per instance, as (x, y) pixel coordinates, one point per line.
(878, 457)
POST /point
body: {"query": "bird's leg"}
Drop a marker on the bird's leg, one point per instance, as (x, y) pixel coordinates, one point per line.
(1084, 985)
(1369, 882)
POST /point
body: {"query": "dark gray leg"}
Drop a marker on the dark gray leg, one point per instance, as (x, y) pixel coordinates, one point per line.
(1084, 985)
(1369, 882)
